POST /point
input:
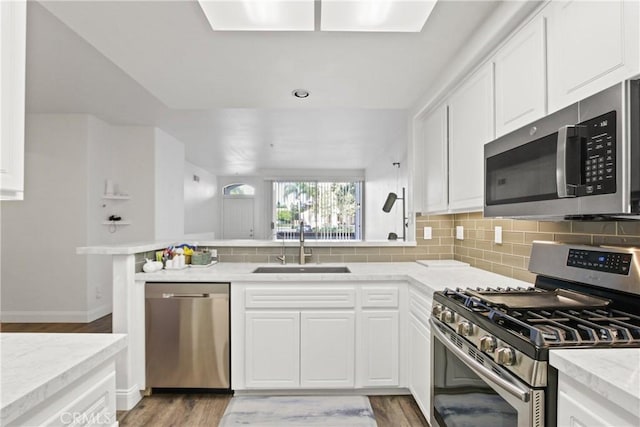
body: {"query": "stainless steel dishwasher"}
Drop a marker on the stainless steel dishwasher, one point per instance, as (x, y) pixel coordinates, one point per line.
(187, 335)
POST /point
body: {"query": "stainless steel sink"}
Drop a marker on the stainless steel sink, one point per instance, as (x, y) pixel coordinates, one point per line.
(301, 269)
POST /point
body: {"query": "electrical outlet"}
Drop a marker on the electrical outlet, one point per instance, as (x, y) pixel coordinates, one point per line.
(98, 292)
(459, 232)
(497, 232)
(428, 233)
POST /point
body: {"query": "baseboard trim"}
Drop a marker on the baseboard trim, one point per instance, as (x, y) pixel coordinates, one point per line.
(329, 392)
(126, 399)
(99, 312)
(54, 316)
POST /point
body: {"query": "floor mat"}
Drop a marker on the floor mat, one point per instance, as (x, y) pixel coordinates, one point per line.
(289, 411)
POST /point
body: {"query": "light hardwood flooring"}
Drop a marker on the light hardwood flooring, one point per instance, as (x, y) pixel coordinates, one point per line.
(201, 409)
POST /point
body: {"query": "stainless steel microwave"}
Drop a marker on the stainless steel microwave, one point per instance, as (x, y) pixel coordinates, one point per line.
(580, 162)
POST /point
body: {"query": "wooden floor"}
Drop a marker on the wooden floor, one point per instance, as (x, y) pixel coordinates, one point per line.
(102, 325)
(166, 410)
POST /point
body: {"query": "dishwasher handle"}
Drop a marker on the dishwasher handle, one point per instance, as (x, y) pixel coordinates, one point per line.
(185, 295)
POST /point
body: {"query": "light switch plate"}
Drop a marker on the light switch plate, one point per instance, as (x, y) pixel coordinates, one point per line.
(428, 233)
(459, 232)
(497, 235)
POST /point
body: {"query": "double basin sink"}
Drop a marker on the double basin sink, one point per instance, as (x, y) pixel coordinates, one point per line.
(302, 269)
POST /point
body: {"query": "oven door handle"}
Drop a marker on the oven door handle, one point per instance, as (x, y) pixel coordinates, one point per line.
(512, 388)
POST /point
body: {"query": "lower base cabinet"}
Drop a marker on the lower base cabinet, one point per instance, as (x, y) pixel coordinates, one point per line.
(317, 336)
(90, 400)
(578, 406)
(379, 336)
(272, 349)
(327, 349)
(420, 366)
(419, 349)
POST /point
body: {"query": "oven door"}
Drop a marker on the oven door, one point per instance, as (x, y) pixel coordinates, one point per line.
(470, 390)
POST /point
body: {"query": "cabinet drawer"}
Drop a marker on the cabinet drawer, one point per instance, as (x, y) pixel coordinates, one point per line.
(420, 306)
(379, 297)
(309, 297)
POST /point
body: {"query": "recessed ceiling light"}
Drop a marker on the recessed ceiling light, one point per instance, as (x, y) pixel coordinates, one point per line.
(376, 15)
(300, 93)
(259, 15)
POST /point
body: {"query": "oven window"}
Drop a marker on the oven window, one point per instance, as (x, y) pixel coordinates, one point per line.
(462, 399)
(523, 174)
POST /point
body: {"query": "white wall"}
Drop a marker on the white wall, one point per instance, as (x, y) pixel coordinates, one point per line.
(200, 201)
(169, 186)
(67, 160)
(42, 277)
(122, 154)
(382, 177)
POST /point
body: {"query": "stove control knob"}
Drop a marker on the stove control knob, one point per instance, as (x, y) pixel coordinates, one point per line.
(437, 309)
(505, 356)
(446, 316)
(487, 344)
(465, 328)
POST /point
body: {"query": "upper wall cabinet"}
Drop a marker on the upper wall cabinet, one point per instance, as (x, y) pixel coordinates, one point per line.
(471, 125)
(13, 26)
(520, 67)
(592, 45)
(431, 161)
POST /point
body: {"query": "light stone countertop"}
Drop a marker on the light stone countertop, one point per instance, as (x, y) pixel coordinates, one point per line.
(612, 373)
(34, 366)
(434, 277)
(139, 247)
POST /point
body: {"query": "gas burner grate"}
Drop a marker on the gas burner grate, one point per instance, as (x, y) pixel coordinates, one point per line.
(553, 327)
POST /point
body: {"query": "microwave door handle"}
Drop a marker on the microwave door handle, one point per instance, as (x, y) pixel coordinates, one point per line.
(481, 370)
(564, 190)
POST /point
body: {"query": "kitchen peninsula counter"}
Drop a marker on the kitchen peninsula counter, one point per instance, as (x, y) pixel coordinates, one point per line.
(43, 375)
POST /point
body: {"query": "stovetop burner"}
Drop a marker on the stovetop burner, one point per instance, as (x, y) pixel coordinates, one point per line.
(562, 318)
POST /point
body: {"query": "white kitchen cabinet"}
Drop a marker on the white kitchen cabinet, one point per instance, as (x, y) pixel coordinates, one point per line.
(327, 349)
(471, 125)
(318, 335)
(272, 342)
(380, 348)
(420, 350)
(13, 31)
(578, 406)
(430, 159)
(520, 68)
(592, 46)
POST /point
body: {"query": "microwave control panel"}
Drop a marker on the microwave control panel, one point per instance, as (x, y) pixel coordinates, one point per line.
(599, 155)
(609, 262)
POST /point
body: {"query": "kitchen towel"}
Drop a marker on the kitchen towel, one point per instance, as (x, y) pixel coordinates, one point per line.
(326, 411)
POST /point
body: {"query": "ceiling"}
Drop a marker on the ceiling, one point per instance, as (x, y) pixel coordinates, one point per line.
(227, 95)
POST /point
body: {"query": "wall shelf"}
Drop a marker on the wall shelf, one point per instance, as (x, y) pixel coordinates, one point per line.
(115, 197)
(116, 223)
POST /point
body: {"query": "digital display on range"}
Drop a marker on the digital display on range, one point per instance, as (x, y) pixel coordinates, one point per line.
(608, 262)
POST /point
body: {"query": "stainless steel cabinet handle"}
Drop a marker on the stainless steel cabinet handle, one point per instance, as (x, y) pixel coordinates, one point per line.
(203, 295)
(480, 370)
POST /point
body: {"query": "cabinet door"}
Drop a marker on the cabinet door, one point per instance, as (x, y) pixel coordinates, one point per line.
(13, 24)
(420, 365)
(272, 344)
(327, 351)
(520, 78)
(592, 46)
(471, 122)
(380, 349)
(579, 406)
(431, 160)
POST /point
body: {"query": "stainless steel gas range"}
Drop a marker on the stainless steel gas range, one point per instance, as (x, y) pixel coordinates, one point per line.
(490, 347)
